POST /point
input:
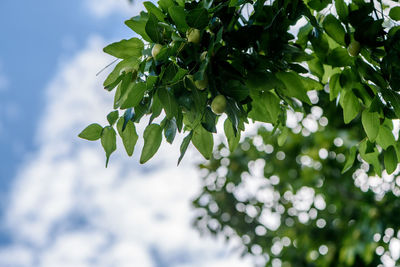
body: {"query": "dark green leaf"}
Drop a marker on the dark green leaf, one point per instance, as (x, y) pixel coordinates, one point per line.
(128, 135)
(339, 57)
(153, 30)
(197, 18)
(266, 107)
(152, 140)
(350, 104)
(168, 102)
(165, 4)
(209, 120)
(390, 159)
(342, 10)
(91, 132)
(114, 76)
(334, 86)
(394, 13)
(294, 86)
(184, 145)
(170, 130)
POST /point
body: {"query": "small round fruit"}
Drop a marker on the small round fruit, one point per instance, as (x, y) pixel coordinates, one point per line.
(354, 48)
(201, 84)
(156, 49)
(193, 35)
(218, 105)
(203, 56)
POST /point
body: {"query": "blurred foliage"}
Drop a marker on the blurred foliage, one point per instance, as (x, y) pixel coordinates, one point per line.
(293, 203)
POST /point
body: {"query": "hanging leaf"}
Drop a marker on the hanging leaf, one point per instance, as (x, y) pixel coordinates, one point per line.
(350, 159)
(371, 123)
(152, 140)
(233, 139)
(128, 135)
(153, 30)
(170, 130)
(112, 117)
(390, 160)
(184, 146)
(203, 141)
(351, 106)
(108, 141)
(197, 18)
(178, 15)
(334, 29)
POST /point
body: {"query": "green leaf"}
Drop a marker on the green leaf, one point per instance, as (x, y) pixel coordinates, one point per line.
(390, 159)
(385, 137)
(339, 57)
(294, 86)
(91, 132)
(109, 141)
(184, 146)
(261, 81)
(152, 9)
(138, 25)
(334, 86)
(266, 107)
(135, 94)
(197, 18)
(153, 30)
(209, 120)
(342, 10)
(203, 141)
(125, 48)
(165, 4)
(178, 15)
(128, 135)
(233, 139)
(170, 130)
(394, 13)
(283, 136)
(334, 29)
(112, 117)
(168, 102)
(350, 159)
(350, 105)
(371, 123)
(152, 140)
(115, 76)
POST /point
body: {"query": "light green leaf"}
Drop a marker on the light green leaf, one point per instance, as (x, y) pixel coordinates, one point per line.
(203, 141)
(283, 136)
(109, 141)
(152, 140)
(370, 122)
(233, 140)
(390, 159)
(138, 25)
(334, 86)
(112, 117)
(128, 135)
(350, 159)
(334, 29)
(91, 132)
(152, 9)
(135, 94)
(130, 63)
(165, 4)
(178, 15)
(339, 57)
(394, 13)
(385, 137)
(184, 146)
(350, 105)
(125, 48)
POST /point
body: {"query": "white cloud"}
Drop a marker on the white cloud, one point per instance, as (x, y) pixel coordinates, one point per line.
(66, 209)
(104, 8)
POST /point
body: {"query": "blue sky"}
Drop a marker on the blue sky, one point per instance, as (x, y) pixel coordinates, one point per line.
(59, 205)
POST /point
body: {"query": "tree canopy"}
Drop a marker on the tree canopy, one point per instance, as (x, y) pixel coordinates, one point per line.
(324, 77)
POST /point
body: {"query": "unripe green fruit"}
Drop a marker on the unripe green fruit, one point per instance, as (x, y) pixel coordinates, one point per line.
(202, 84)
(354, 48)
(218, 105)
(156, 49)
(193, 35)
(203, 56)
